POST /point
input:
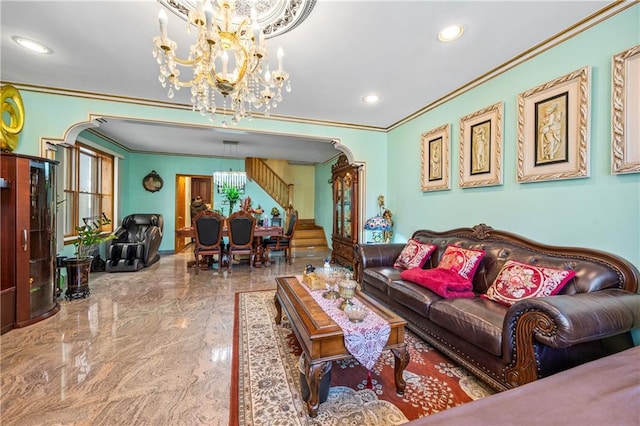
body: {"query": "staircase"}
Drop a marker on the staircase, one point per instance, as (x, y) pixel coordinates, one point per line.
(309, 238)
(259, 172)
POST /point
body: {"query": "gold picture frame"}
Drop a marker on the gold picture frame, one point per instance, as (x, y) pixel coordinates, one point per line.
(625, 112)
(553, 129)
(481, 147)
(435, 147)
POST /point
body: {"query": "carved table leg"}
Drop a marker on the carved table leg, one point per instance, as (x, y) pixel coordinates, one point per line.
(278, 318)
(401, 357)
(314, 375)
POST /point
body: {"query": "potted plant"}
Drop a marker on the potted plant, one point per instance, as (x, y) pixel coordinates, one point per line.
(78, 267)
(232, 194)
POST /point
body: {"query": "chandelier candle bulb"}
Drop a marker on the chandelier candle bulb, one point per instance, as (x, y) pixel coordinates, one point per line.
(280, 56)
(162, 18)
(208, 15)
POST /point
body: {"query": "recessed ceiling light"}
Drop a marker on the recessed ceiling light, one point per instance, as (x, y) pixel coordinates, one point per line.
(450, 33)
(32, 45)
(371, 99)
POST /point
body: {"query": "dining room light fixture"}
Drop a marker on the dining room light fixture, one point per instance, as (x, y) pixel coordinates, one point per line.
(229, 58)
(233, 179)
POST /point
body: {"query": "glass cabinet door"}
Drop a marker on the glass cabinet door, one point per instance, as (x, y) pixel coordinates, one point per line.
(347, 206)
(41, 238)
(338, 206)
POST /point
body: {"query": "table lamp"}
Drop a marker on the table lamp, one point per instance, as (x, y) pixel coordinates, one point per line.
(377, 224)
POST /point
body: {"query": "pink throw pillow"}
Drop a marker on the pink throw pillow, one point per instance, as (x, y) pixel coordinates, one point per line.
(414, 254)
(443, 282)
(517, 281)
(461, 260)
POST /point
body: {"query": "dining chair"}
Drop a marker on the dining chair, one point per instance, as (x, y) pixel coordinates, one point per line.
(241, 226)
(208, 227)
(282, 242)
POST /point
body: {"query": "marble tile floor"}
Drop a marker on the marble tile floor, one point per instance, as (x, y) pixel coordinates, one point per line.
(151, 347)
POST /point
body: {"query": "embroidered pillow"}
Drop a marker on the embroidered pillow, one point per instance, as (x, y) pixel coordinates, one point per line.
(517, 281)
(461, 260)
(414, 255)
(443, 282)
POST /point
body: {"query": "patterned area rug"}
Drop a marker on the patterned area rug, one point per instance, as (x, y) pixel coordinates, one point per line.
(265, 384)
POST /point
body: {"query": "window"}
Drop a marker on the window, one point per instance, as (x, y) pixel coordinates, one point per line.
(88, 187)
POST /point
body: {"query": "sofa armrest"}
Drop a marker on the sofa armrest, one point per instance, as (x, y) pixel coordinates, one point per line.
(562, 321)
(370, 255)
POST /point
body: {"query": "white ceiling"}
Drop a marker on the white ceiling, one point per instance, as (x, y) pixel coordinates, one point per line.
(343, 51)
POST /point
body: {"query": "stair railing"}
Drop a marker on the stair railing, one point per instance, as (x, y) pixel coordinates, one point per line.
(260, 172)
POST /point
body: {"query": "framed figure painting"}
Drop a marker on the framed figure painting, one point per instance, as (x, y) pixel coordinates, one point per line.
(553, 129)
(481, 147)
(435, 146)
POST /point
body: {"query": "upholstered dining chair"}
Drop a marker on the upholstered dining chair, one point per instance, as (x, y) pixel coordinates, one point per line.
(208, 227)
(282, 242)
(241, 227)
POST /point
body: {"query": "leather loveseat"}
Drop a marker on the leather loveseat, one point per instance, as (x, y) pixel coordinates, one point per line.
(507, 346)
(136, 243)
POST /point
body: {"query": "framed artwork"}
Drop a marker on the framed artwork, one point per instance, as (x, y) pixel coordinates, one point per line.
(481, 147)
(625, 112)
(435, 146)
(553, 129)
(152, 182)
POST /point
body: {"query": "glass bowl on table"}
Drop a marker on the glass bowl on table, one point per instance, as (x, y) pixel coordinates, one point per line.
(355, 313)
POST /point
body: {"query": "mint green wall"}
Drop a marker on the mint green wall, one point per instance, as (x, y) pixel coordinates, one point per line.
(324, 200)
(602, 211)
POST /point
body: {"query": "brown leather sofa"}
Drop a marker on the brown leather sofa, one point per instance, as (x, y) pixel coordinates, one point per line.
(507, 346)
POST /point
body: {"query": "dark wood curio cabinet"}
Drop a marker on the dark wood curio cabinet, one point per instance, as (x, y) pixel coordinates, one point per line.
(344, 181)
(27, 233)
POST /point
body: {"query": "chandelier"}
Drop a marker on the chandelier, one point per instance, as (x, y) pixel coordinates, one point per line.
(229, 179)
(229, 58)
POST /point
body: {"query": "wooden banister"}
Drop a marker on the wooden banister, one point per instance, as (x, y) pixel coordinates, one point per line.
(260, 172)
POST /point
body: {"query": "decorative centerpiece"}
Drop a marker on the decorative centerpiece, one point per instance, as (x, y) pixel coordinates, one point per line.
(347, 291)
(331, 276)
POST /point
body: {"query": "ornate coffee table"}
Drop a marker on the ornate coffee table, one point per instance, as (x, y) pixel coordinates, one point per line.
(322, 340)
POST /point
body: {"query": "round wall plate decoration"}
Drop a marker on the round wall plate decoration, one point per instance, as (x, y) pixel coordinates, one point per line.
(152, 182)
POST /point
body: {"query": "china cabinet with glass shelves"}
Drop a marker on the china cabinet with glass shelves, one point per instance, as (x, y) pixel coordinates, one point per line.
(27, 267)
(344, 180)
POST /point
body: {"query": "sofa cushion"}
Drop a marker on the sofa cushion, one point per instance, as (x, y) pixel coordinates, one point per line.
(380, 276)
(414, 254)
(444, 282)
(478, 321)
(462, 260)
(413, 296)
(517, 281)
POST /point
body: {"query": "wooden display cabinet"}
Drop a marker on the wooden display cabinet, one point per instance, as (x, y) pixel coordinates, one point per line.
(27, 234)
(344, 181)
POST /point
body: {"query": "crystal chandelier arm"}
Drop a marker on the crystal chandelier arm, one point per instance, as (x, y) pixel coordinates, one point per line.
(174, 80)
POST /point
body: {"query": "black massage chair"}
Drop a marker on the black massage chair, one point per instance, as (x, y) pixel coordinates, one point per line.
(136, 244)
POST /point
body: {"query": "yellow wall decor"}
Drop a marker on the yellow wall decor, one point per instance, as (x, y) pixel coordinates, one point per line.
(12, 117)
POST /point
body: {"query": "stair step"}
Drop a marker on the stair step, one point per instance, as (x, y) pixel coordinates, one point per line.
(309, 233)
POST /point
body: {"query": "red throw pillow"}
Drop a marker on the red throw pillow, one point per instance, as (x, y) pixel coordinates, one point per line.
(444, 282)
(517, 281)
(415, 254)
(461, 260)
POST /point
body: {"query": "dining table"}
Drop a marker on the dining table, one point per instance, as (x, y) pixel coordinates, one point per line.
(258, 234)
